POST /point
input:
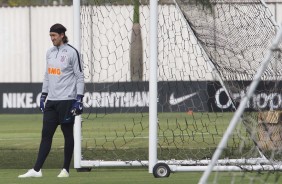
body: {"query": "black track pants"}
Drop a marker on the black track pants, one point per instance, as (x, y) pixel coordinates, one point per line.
(48, 131)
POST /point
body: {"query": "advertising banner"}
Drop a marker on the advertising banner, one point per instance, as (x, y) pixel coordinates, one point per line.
(197, 96)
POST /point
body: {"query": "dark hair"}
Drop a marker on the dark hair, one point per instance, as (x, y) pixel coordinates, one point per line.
(65, 39)
(59, 28)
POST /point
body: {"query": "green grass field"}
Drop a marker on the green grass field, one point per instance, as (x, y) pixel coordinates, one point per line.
(19, 141)
(129, 176)
(20, 137)
(99, 176)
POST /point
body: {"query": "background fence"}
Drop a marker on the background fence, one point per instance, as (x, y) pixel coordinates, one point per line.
(25, 38)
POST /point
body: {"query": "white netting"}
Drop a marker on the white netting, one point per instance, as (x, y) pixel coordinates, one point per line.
(193, 111)
(236, 36)
(106, 40)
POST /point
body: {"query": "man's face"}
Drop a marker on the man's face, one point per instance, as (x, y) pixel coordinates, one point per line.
(57, 38)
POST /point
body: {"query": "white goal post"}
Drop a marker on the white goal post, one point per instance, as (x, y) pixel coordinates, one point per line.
(77, 125)
(78, 162)
(153, 88)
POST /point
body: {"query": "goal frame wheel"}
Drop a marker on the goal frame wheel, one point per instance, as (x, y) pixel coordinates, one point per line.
(161, 170)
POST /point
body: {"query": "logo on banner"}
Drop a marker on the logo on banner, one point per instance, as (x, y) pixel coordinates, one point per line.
(257, 101)
(175, 101)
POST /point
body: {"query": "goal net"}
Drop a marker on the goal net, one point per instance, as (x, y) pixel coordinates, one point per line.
(115, 125)
(204, 48)
(236, 36)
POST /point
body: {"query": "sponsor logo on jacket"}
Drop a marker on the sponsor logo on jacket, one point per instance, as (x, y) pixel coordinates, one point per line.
(54, 71)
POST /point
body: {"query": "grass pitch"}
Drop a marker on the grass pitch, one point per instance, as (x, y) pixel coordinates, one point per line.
(136, 176)
(99, 176)
(20, 138)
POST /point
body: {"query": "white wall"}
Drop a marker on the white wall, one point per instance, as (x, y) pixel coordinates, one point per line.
(275, 7)
(24, 43)
(42, 18)
(14, 47)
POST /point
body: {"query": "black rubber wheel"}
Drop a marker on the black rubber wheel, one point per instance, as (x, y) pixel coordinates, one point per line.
(87, 169)
(161, 170)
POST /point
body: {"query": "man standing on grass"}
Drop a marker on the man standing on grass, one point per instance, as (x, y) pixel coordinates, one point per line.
(63, 87)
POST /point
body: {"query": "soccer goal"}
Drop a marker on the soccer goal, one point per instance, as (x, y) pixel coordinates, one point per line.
(164, 81)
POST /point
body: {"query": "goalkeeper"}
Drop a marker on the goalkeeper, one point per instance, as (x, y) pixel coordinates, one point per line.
(63, 87)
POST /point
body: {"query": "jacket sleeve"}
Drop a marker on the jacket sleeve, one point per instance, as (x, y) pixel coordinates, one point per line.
(79, 75)
(45, 79)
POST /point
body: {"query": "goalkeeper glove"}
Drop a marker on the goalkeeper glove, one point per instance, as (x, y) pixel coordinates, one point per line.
(42, 101)
(77, 106)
